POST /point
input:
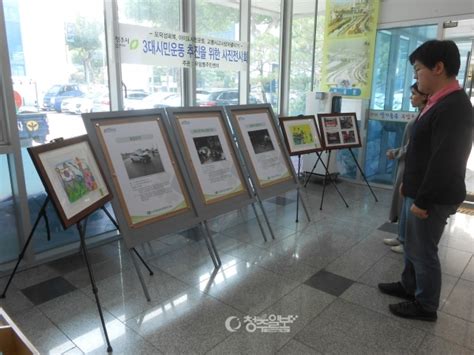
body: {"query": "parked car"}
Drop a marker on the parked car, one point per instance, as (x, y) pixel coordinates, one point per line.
(155, 100)
(140, 158)
(57, 93)
(77, 105)
(225, 97)
(32, 127)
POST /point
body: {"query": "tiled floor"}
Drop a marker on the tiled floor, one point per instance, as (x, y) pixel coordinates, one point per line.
(319, 277)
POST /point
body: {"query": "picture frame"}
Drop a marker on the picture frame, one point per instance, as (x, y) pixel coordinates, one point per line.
(208, 148)
(261, 144)
(339, 130)
(301, 134)
(72, 177)
(144, 168)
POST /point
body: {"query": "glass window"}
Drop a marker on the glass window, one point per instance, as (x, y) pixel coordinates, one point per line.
(393, 74)
(9, 235)
(392, 78)
(265, 22)
(217, 20)
(151, 86)
(302, 43)
(55, 85)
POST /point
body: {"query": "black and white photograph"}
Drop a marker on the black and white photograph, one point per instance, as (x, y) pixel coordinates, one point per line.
(142, 162)
(346, 122)
(261, 141)
(209, 149)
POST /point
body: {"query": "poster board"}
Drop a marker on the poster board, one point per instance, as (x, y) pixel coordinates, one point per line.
(145, 173)
(339, 130)
(72, 178)
(216, 175)
(301, 134)
(263, 150)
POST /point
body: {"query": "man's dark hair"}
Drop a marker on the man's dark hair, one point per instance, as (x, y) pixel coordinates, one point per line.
(434, 51)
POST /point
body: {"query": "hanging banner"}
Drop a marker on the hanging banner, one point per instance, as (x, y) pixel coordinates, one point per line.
(349, 45)
(147, 45)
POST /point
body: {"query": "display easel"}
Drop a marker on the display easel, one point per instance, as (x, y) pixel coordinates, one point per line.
(82, 232)
(265, 118)
(135, 235)
(327, 175)
(227, 204)
(341, 131)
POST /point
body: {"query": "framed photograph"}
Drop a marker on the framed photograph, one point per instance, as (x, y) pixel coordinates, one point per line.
(262, 143)
(143, 166)
(339, 130)
(207, 147)
(301, 134)
(72, 178)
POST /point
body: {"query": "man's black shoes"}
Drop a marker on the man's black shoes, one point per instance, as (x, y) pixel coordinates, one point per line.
(412, 310)
(395, 289)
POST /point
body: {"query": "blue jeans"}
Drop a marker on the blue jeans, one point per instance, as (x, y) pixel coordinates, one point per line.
(402, 223)
(422, 273)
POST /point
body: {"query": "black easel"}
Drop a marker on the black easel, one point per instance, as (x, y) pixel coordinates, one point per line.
(363, 175)
(298, 190)
(86, 259)
(82, 232)
(133, 249)
(327, 175)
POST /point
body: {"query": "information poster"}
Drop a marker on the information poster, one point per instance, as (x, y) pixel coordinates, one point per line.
(262, 145)
(349, 45)
(141, 163)
(209, 151)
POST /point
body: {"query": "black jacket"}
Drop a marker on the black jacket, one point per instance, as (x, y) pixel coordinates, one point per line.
(435, 163)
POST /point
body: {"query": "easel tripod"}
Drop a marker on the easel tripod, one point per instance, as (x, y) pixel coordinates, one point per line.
(82, 232)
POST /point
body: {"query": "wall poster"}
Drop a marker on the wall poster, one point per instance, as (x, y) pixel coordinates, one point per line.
(71, 176)
(301, 134)
(208, 149)
(144, 169)
(263, 146)
(339, 130)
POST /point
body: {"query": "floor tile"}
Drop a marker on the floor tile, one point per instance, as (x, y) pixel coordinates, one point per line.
(123, 296)
(32, 276)
(468, 273)
(360, 258)
(281, 200)
(43, 334)
(460, 302)
(102, 270)
(48, 290)
(435, 345)
(304, 302)
(250, 288)
(453, 262)
(449, 327)
(249, 232)
(15, 301)
(294, 347)
(190, 323)
(389, 228)
(346, 328)
(328, 282)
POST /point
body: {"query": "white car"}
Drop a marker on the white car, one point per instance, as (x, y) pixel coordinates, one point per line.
(77, 105)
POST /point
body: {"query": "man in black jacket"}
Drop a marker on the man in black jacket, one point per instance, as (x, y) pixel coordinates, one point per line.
(433, 183)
